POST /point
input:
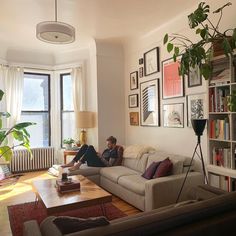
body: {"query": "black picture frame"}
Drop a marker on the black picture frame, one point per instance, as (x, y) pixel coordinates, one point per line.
(151, 61)
(133, 80)
(133, 100)
(150, 103)
(173, 115)
(194, 77)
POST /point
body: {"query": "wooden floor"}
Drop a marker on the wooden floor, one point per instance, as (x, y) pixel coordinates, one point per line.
(22, 192)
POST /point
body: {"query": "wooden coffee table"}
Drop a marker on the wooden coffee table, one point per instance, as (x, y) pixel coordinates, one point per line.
(54, 201)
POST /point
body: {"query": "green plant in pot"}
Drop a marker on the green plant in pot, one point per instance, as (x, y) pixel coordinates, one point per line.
(17, 131)
(200, 53)
(68, 142)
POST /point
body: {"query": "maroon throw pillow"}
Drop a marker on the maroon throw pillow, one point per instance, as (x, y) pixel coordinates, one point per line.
(164, 169)
(150, 171)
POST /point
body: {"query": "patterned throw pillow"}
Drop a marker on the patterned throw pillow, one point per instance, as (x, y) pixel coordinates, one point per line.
(164, 169)
(69, 225)
(150, 171)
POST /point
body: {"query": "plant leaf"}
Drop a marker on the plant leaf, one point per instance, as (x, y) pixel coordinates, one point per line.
(176, 51)
(6, 153)
(23, 125)
(1, 94)
(206, 70)
(226, 46)
(165, 39)
(170, 47)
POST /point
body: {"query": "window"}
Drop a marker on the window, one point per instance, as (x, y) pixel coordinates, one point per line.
(36, 107)
(68, 128)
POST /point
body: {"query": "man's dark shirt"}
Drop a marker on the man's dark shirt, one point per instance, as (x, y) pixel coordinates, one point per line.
(109, 156)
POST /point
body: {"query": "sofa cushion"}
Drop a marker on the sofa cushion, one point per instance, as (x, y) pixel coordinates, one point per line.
(69, 225)
(134, 183)
(178, 161)
(136, 164)
(164, 168)
(150, 171)
(115, 172)
(85, 170)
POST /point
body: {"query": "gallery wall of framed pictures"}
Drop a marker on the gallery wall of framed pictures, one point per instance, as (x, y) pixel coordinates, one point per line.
(158, 96)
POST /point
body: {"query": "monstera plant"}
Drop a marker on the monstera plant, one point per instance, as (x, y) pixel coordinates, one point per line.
(18, 132)
(200, 53)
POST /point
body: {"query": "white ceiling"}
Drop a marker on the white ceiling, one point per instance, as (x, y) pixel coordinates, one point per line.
(101, 19)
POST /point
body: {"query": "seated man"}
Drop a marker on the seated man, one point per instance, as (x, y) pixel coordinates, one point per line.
(93, 158)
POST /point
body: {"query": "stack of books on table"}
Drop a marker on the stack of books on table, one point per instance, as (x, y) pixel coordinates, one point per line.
(67, 186)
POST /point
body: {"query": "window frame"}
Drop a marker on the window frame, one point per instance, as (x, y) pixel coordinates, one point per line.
(49, 103)
(62, 111)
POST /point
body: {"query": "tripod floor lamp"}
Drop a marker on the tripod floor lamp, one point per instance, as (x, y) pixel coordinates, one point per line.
(198, 127)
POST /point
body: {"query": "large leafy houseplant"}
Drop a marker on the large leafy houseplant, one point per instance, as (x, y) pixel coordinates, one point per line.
(18, 132)
(200, 53)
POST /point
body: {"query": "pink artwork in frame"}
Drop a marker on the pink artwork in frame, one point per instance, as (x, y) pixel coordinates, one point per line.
(172, 82)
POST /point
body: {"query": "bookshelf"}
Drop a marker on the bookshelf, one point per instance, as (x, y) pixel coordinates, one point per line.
(222, 125)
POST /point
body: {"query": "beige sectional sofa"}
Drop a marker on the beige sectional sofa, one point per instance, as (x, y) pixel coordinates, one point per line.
(126, 182)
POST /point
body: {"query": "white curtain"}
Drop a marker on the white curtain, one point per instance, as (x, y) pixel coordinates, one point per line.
(12, 79)
(78, 89)
(3, 76)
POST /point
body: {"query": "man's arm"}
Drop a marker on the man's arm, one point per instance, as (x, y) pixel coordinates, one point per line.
(108, 163)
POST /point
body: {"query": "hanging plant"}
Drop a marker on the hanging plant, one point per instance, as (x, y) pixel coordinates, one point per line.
(200, 53)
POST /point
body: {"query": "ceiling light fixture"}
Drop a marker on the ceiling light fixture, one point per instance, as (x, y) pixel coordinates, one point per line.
(54, 31)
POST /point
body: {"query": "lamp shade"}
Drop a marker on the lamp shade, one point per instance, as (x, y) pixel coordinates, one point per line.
(85, 119)
(198, 126)
(55, 32)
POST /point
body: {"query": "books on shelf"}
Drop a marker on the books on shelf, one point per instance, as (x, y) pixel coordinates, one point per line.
(219, 181)
(221, 157)
(218, 99)
(219, 129)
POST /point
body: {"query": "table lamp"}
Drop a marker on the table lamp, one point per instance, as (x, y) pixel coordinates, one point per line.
(85, 119)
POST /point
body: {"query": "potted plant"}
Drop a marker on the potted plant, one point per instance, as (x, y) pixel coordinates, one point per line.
(68, 142)
(18, 132)
(200, 53)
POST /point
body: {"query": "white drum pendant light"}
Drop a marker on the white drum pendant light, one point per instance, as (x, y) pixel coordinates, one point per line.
(54, 31)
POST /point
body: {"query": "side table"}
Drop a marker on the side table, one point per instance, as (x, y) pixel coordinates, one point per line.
(69, 153)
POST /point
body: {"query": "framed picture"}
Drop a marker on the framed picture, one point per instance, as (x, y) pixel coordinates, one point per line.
(133, 100)
(172, 82)
(151, 61)
(194, 77)
(149, 103)
(173, 115)
(134, 118)
(134, 80)
(196, 105)
(140, 71)
(140, 61)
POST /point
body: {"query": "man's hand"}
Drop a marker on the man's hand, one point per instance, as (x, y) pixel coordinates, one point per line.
(99, 154)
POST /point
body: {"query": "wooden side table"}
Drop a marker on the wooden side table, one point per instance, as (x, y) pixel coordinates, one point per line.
(69, 153)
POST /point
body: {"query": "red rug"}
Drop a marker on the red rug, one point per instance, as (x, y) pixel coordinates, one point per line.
(20, 213)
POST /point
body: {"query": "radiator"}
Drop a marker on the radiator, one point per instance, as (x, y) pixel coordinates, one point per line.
(22, 161)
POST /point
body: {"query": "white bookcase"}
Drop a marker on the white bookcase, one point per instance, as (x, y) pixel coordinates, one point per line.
(222, 125)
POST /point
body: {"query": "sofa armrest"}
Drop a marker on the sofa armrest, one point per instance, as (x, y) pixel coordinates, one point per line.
(31, 228)
(164, 191)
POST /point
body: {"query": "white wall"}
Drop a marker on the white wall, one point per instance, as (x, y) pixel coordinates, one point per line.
(110, 88)
(176, 140)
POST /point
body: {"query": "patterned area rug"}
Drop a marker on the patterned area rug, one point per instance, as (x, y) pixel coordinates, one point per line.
(20, 213)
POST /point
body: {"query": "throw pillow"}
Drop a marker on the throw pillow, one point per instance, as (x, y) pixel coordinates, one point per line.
(164, 169)
(69, 225)
(150, 171)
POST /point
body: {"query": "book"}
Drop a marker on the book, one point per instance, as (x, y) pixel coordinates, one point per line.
(67, 186)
